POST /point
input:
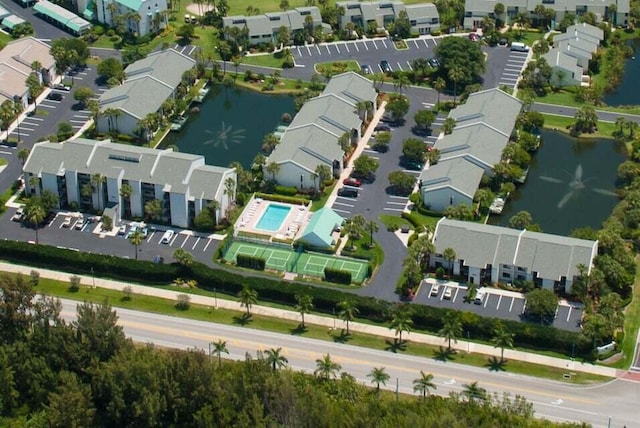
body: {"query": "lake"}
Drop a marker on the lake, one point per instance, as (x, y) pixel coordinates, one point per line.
(628, 92)
(231, 125)
(570, 184)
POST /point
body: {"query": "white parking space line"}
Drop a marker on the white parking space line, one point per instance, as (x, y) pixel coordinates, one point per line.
(455, 295)
(435, 42)
(318, 49)
(499, 300)
(328, 51)
(393, 209)
(173, 240)
(569, 314)
(365, 45)
(2, 152)
(150, 236)
(380, 68)
(399, 66)
(486, 300)
(22, 134)
(192, 49)
(374, 44)
(399, 197)
(185, 241)
(24, 128)
(308, 50)
(207, 246)
(341, 211)
(443, 291)
(415, 42)
(384, 43)
(343, 204)
(510, 74)
(77, 121)
(346, 46)
(396, 203)
(53, 101)
(36, 118)
(194, 245)
(411, 171)
(355, 45)
(337, 48)
(511, 305)
(409, 65)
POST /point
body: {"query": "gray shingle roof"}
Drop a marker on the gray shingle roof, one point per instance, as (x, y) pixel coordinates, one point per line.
(138, 97)
(478, 141)
(551, 256)
(178, 172)
(422, 12)
(269, 23)
(308, 146)
(556, 58)
(352, 87)
(456, 173)
(588, 29)
(167, 66)
(329, 111)
(494, 107)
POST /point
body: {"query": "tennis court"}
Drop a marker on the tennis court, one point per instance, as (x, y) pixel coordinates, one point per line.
(302, 263)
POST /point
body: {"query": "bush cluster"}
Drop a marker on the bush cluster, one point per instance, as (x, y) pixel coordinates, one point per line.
(325, 300)
(251, 262)
(282, 198)
(286, 191)
(337, 275)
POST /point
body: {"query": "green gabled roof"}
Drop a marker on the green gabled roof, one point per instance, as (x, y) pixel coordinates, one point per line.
(62, 15)
(320, 227)
(11, 21)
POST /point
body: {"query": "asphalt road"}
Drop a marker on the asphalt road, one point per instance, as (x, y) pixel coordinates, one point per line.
(41, 28)
(567, 111)
(551, 399)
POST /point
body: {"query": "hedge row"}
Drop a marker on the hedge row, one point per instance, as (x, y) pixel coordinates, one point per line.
(251, 262)
(337, 275)
(526, 335)
(282, 198)
(286, 191)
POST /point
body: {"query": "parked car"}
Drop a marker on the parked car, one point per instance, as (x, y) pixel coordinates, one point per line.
(144, 231)
(166, 238)
(122, 229)
(435, 289)
(350, 181)
(365, 69)
(66, 222)
(385, 67)
(503, 42)
(194, 20)
(382, 128)
(433, 62)
(474, 37)
(55, 96)
(348, 192)
(18, 216)
(448, 293)
(80, 224)
(158, 260)
(479, 297)
(187, 18)
(62, 87)
(413, 165)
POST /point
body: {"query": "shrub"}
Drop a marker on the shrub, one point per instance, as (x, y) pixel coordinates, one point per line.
(440, 272)
(286, 191)
(336, 275)
(184, 302)
(282, 198)
(74, 283)
(251, 262)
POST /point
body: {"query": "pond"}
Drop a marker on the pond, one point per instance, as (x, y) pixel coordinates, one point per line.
(570, 184)
(628, 92)
(231, 125)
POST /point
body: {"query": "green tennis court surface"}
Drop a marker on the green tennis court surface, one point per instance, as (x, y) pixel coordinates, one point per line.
(301, 263)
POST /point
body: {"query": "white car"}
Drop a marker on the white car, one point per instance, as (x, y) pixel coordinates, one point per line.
(18, 215)
(80, 224)
(66, 222)
(435, 289)
(448, 293)
(166, 238)
(122, 229)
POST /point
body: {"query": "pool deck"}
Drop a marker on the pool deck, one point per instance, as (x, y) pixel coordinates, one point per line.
(293, 224)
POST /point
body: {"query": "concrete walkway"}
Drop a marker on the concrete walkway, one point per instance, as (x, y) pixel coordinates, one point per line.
(321, 321)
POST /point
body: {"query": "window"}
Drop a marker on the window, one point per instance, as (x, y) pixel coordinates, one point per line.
(506, 267)
(506, 275)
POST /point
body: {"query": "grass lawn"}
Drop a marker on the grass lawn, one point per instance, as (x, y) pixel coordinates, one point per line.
(527, 37)
(286, 86)
(566, 97)
(561, 123)
(223, 316)
(425, 220)
(337, 67)
(266, 60)
(322, 200)
(3, 161)
(375, 253)
(394, 221)
(631, 325)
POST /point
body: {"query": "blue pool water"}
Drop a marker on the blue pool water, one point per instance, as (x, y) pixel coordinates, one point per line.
(273, 217)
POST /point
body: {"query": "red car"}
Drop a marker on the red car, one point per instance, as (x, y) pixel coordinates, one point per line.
(474, 37)
(352, 182)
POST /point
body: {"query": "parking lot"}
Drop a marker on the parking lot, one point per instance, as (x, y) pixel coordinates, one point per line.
(496, 303)
(77, 232)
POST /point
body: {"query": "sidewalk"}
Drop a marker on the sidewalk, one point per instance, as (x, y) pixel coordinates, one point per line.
(328, 322)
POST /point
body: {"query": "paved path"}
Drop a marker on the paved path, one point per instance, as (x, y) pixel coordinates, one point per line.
(604, 116)
(320, 320)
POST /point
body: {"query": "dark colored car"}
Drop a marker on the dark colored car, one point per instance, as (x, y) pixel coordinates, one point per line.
(433, 62)
(382, 128)
(413, 165)
(503, 42)
(350, 181)
(62, 87)
(385, 67)
(365, 69)
(55, 96)
(348, 192)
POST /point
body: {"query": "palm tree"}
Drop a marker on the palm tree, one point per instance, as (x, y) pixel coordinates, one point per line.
(326, 368)
(23, 154)
(401, 322)
(474, 393)
(274, 358)
(304, 304)
(378, 376)
(449, 254)
(455, 74)
(423, 384)
(136, 238)
(218, 348)
(97, 182)
(153, 210)
(451, 328)
(229, 190)
(372, 227)
(448, 125)
(273, 169)
(401, 82)
(126, 190)
(247, 297)
(183, 257)
(439, 85)
(35, 214)
(502, 339)
(348, 312)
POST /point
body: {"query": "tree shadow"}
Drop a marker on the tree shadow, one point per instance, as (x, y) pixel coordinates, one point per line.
(443, 354)
(299, 330)
(395, 346)
(496, 364)
(343, 337)
(242, 320)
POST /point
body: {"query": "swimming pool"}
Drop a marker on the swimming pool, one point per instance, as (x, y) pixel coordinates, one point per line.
(273, 217)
